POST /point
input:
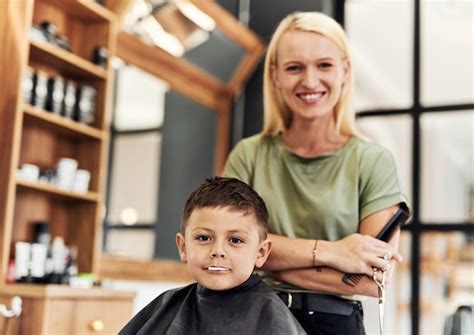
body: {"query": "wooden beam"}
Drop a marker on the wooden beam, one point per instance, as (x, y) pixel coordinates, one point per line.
(119, 7)
(222, 143)
(229, 25)
(15, 18)
(244, 70)
(182, 76)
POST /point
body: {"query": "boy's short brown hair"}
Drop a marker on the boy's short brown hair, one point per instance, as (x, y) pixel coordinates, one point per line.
(228, 193)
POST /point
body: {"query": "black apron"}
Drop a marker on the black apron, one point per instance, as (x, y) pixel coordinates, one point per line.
(251, 308)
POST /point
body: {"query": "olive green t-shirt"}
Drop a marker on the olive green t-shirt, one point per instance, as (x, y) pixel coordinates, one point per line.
(324, 197)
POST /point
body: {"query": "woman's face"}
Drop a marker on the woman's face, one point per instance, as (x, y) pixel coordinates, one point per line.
(310, 72)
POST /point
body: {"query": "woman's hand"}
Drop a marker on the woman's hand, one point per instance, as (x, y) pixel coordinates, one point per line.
(360, 253)
(356, 253)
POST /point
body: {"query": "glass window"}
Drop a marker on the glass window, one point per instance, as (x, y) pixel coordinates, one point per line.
(380, 36)
(139, 99)
(447, 65)
(395, 134)
(184, 30)
(134, 243)
(446, 278)
(134, 179)
(447, 181)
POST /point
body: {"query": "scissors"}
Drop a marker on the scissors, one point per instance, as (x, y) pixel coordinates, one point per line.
(381, 286)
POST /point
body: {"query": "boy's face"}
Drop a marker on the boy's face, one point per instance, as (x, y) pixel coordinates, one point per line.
(222, 247)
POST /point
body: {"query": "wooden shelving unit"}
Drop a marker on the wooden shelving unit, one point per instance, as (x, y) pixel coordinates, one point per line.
(57, 192)
(68, 62)
(62, 125)
(71, 310)
(35, 136)
(42, 138)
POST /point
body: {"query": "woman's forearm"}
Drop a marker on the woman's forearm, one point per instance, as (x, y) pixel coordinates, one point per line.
(289, 253)
(327, 280)
(354, 254)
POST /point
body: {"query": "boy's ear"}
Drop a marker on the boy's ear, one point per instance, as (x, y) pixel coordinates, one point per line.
(181, 245)
(263, 252)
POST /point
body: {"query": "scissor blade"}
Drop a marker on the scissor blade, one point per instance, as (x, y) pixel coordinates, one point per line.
(381, 308)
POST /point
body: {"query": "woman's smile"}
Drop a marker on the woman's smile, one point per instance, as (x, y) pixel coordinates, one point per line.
(311, 98)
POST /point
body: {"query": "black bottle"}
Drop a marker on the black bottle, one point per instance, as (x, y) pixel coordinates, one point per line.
(55, 95)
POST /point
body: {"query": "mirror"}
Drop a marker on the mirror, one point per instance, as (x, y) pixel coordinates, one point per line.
(170, 130)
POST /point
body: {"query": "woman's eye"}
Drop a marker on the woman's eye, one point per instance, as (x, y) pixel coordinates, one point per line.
(203, 238)
(236, 240)
(293, 68)
(325, 65)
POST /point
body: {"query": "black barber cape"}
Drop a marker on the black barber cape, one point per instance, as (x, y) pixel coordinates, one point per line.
(251, 308)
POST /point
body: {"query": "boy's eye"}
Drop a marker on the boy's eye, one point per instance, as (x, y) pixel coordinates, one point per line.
(236, 240)
(203, 238)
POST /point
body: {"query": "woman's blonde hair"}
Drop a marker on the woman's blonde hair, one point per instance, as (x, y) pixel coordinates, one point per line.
(277, 116)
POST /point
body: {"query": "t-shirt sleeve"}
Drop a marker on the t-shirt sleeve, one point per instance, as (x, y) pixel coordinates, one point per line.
(238, 163)
(380, 185)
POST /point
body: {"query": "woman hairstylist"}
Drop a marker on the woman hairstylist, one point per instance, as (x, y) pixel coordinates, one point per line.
(327, 189)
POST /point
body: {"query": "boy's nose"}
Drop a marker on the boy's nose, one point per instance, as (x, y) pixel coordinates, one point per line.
(217, 254)
(217, 251)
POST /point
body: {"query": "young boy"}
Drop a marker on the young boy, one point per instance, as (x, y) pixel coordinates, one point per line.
(223, 238)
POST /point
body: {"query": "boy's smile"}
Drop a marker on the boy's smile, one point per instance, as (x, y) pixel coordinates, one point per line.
(221, 247)
(218, 269)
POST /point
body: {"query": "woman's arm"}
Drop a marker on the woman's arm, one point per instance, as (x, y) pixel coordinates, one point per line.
(326, 280)
(357, 253)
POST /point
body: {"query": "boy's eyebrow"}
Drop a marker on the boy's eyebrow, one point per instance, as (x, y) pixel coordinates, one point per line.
(240, 231)
(233, 231)
(202, 228)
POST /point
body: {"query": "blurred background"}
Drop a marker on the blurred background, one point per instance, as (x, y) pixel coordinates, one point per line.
(414, 95)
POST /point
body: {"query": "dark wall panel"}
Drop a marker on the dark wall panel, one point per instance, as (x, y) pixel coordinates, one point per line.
(187, 158)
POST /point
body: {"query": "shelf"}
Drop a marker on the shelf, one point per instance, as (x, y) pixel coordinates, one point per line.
(60, 124)
(67, 62)
(57, 192)
(86, 10)
(62, 291)
(120, 226)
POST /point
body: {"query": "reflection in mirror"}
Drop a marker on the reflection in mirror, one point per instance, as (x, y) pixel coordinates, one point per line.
(134, 163)
(220, 64)
(183, 30)
(175, 27)
(188, 145)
